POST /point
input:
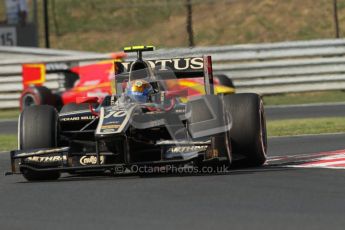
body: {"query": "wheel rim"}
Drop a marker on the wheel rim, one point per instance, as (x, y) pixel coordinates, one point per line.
(28, 100)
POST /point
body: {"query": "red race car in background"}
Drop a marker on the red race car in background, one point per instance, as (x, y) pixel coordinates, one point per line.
(58, 84)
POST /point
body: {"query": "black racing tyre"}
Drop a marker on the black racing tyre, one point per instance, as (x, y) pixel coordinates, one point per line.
(72, 107)
(38, 95)
(38, 128)
(248, 133)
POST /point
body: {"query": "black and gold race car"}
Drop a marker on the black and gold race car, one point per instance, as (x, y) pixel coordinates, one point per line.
(150, 123)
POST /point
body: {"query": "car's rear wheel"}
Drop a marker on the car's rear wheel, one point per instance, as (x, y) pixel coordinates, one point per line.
(248, 132)
(38, 95)
(38, 128)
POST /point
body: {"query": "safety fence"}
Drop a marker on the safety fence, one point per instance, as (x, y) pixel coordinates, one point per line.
(273, 68)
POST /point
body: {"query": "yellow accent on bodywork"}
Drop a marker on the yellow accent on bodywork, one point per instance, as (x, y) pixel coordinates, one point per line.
(201, 88)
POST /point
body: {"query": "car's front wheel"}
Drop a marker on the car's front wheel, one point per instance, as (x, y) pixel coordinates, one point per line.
(38, 128)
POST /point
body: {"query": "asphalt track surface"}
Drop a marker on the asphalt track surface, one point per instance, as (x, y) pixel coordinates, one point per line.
(305, 111)
(272, 113)
(8, 126)
(263, 198)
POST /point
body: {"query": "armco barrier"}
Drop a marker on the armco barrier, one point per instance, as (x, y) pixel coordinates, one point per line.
(273, 68)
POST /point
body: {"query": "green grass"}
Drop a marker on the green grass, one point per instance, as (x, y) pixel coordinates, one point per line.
(9, 114)
(305, 126)
(305, 98)
(108, 25)
(8, 142)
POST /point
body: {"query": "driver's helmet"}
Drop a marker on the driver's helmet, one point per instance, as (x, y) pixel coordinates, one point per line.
(139, 90)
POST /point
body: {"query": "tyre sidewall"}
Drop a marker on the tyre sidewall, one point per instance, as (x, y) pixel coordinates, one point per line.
(248, 133)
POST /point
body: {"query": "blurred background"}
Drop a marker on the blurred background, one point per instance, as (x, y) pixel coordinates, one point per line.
(107, 25)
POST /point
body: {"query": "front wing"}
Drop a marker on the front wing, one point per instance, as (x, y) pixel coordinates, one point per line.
(61, 160)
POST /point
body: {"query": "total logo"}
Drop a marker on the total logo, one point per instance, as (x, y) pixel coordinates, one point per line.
(91, 160)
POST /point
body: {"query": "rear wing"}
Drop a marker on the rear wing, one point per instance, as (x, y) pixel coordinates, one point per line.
(185, 67)
(35, 74)
(66, 74)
